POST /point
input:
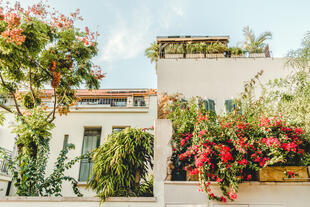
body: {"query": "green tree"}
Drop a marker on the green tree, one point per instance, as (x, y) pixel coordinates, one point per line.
(252, 43)
(152, 53)
(121, 165)
(41, 47)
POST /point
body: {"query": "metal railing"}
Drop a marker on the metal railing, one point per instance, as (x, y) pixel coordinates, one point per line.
(3, 163)
(112, 102)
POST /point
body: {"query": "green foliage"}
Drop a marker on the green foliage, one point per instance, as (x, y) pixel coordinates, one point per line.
(216, 47)
(121, 165)
(174, 49)
(29, 172)
(236, 50)
(41, 47)
(152, 52)
(196, 48)
(255, 44)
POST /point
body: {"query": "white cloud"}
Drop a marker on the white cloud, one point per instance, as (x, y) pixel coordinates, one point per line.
(132, 33)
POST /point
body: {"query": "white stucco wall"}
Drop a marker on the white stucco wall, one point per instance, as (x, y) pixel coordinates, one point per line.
(186, 194)
(218, 79)
(74, 124)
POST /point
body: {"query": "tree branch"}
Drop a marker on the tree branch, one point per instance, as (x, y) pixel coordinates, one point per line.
(6, 108)
(31, 89)
(54, 108)
(13, 95)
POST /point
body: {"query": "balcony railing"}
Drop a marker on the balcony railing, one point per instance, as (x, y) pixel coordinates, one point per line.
(212, 56)
(3, 163)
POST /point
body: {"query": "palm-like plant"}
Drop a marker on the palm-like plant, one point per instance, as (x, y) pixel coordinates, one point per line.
(252, 43)
(152, 52)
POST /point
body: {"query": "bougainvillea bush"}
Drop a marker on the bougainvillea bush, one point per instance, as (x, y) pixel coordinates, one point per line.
(233, 148)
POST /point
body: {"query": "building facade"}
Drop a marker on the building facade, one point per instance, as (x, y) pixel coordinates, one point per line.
(96, 115)
(218, 77)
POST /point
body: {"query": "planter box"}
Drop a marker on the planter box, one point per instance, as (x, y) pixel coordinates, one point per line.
(221, 55)
(257, 55)
(173, 56)
(195, 56)
(191, 177)
(276, 174)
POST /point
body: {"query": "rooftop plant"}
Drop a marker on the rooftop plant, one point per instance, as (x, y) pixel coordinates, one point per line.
(255, 44)
(152, 52)
(174, 49)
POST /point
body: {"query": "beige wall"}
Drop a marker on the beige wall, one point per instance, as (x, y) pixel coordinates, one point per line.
(218, 79)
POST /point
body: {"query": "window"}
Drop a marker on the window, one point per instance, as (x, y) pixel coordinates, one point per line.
(66, 138)
(231, 105)
(118, 128)
(138, 101)
(209, 105)
(91, 141)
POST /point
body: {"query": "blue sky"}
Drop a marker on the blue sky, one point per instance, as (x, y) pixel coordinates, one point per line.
(127, 27)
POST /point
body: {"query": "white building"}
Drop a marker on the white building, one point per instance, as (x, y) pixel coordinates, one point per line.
(219, 78)
(97, 114)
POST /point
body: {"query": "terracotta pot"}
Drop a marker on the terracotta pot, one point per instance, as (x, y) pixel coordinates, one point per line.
(276, 174)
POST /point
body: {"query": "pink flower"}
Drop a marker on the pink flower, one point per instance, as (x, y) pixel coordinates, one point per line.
(183, 142)
(243, 162)
(219, 180)
(232, 195)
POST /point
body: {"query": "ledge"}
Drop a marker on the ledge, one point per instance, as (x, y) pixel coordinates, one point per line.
(76, 199)
(5, 177)
(243, 183)
(82, 184)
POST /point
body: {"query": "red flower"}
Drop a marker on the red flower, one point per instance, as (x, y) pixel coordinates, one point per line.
(183, 142)
(243, 162)
(232, 195)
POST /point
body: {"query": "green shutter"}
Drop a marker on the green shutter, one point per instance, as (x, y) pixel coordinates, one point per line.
(206, 104)
(65, 143)
(91, 141)
(231, 105)
(228, 105)
(211, 105)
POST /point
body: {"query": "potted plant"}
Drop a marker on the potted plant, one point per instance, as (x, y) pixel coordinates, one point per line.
(236, 52)
(216, 50)
(174, 51)
(257, 53)
(195, 50)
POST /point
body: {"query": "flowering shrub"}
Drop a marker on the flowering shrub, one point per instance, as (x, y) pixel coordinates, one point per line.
(234, 147)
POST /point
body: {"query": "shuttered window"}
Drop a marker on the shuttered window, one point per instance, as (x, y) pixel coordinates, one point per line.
(209, 105)
(91, 141)
(66, 139)
(231, 105)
